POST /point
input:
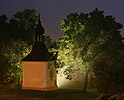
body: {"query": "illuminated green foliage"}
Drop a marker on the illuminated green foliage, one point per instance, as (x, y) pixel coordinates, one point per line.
(87, 38)
(66, 61)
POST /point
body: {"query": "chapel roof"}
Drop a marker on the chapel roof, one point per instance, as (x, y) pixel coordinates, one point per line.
(39, 53)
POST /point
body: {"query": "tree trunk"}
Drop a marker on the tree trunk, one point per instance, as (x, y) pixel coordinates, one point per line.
(85, 80)
(19, 82)
(91, 80)
(2, 78)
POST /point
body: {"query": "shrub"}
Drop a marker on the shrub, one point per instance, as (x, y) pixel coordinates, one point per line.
(110, 97)
(12, 53)
(109, 75)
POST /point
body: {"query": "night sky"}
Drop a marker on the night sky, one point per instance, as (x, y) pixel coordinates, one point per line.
(53, 11)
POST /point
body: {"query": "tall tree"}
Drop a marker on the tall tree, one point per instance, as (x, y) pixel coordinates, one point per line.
(90, 34)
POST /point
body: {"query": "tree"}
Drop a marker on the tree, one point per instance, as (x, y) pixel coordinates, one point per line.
(48, 41)
(12, 53)
(22, 24)
(90, 34)
(3, 27)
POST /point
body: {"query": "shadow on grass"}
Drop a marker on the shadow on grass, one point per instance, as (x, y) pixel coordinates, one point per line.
(65, 93)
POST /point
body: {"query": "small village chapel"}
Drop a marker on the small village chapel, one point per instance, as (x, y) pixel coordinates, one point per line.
(39, 72)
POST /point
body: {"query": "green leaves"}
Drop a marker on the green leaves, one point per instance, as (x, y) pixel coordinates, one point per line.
(87, 38)
(109, 71)
(11, 55)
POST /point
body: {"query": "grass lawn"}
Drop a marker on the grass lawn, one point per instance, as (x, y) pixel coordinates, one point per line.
(7, 93)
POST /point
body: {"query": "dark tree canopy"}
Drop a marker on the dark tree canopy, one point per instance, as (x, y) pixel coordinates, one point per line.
(3, 26)
(20, 26)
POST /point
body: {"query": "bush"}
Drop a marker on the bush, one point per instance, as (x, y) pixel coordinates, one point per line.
(103, 97)
(110, 97)
(12, 53)
(109, 75)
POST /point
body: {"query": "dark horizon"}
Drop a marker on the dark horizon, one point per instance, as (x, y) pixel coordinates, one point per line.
(52, 12)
